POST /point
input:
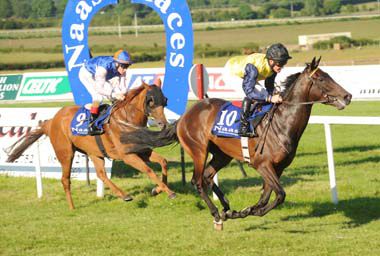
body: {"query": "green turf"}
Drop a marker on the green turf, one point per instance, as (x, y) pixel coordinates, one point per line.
(307, 224)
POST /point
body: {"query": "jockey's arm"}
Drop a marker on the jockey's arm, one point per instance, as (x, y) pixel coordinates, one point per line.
(249, 82)
(100, 80)
(123, 84)
(269, 83)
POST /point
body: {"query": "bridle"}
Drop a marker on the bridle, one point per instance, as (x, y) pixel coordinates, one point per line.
(312, 82)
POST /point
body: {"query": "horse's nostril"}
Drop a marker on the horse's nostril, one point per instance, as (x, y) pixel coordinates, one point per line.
(347, 98)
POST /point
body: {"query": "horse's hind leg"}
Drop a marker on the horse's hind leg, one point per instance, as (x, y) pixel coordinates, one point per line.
(101, 173)
(66, 160)
(65, 154)
(218, 161)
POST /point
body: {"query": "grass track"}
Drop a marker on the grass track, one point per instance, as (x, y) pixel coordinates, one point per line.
(307, 223)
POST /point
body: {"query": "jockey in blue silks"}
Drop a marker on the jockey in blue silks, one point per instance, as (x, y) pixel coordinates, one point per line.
(252, 68)
(104, 77)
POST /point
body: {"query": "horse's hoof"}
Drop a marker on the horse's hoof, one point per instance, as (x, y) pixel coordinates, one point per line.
(128, 198)
(172, 195)
(218, 225)
(154, 192)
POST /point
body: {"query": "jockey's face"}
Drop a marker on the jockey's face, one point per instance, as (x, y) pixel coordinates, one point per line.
(122, 68)
(276, 67)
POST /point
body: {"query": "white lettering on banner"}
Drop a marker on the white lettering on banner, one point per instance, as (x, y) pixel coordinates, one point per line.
(83, 9)
(163, 5)
(77, 32)
(9, 87)
(3, 80)
(177, 40)
(77, 51)
(39, 86)
(171, 18)
(95, 3)
(177, 60)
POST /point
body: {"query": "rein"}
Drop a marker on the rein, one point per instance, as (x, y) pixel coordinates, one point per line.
(310, 77)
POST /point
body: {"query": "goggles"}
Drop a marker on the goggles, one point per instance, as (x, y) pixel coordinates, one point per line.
(124, 66)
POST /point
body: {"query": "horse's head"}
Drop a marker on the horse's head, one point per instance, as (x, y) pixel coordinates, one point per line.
(324, 88)
(155, 102)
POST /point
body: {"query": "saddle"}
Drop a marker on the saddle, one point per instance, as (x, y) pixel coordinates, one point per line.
(227, 121)
(81, 119)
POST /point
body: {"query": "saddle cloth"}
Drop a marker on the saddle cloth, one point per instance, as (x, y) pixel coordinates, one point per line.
(81, 119)
(227, 122)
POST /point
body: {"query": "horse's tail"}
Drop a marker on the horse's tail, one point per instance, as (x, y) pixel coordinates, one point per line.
(16, 149)
(144, 138)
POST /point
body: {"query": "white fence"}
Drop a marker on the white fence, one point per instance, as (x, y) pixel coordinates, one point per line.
(346, 120)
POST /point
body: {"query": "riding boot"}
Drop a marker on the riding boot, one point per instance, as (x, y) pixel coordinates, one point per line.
(244, 129)
(92, 128)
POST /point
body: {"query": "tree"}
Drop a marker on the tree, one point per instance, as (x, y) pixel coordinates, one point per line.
(5, 9)
(313, 7)
(280, 13)
(43, 8)
(61, 6)
(246, 12)
(331, 6)
(21, 8)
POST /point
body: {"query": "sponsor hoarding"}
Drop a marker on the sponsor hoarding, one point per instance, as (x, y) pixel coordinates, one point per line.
(9, 86)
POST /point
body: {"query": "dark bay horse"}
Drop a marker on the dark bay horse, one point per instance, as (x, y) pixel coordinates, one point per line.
(128, 114)
(279, 133)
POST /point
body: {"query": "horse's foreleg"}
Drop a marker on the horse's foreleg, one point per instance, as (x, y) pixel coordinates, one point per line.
(156, 158)
(136, 162)
(101, 173)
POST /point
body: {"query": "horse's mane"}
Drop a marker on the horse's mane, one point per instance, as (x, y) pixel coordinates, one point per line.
(290, 80)
(130, 95)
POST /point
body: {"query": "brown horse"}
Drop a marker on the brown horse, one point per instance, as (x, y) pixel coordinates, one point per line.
(128, 114)
(270, 153)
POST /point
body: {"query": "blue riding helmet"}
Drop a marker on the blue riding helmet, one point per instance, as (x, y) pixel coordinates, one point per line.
(122, 57)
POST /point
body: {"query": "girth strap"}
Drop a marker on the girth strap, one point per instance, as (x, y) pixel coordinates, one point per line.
(245, 149)
(100, 144)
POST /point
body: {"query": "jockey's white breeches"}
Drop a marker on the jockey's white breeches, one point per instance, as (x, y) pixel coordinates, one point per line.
(88, 81)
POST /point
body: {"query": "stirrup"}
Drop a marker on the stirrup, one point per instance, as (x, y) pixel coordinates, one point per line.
(246, 133)
(95, 131)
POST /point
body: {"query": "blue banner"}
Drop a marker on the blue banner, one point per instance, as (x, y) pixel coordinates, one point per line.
(176, 16)
(76, 20)
(177, 20)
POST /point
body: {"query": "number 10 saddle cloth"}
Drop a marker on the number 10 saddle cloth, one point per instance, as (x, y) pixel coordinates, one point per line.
(228, 119)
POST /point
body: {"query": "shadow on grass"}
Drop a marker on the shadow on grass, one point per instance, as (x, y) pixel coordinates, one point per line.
(227, 185)
(360, 211)
(362, 148)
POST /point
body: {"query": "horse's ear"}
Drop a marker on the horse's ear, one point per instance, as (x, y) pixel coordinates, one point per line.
(312, 65)
(158, 82)
(145, 84)
(317, 64)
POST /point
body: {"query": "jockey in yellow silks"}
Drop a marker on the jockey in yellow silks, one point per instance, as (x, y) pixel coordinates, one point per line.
(253, 68)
